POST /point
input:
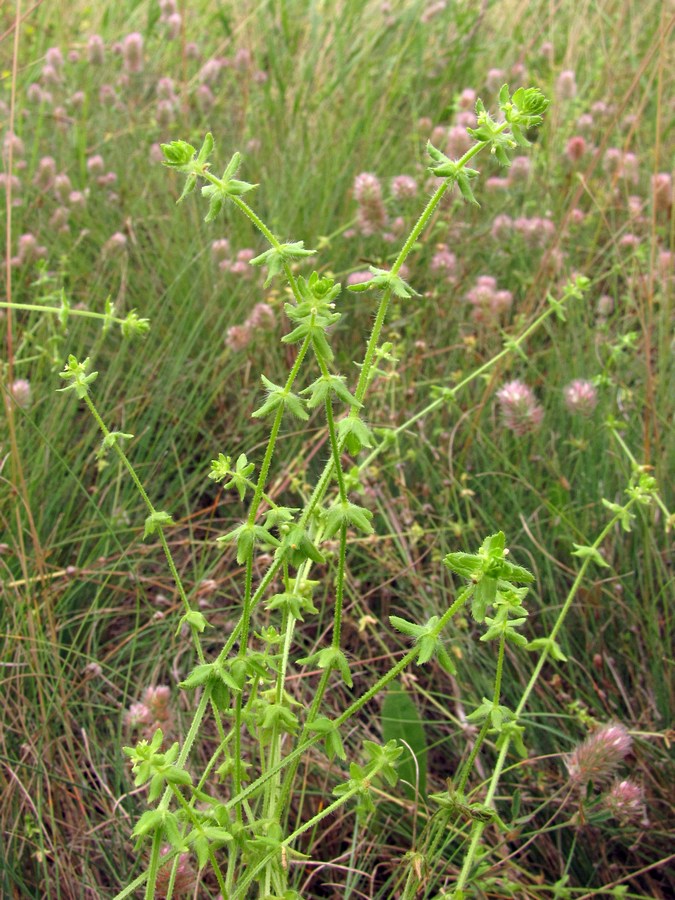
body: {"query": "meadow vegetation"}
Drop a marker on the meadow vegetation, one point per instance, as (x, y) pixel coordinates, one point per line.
(341, 566)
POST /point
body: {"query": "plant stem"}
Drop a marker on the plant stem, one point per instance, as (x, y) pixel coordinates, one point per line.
(479, 827)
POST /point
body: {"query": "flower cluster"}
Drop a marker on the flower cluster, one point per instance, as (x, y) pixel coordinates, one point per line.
(152, 712)
(261, 319)
(488, 302)
(520, 411)
(371, 214)
(581, 397)
(536, 231)
(599, 756)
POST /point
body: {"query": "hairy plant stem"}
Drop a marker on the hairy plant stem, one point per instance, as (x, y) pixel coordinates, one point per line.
(151, 509)
(252, 873)
(478, 826)
(251, 599)
(57, 310)
(274, 809)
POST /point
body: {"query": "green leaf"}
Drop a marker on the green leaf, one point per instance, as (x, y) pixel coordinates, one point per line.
(75, 372)
(623, 514)
(326, 385)
(157, 520)
(412, 629)
(330, 734)
(355, 433)
(277, 257)
(401, 722)
(178, 154)
(586, 552)
(383, 279)
(330, 658)
(110, 440)
(549, 644)
(199, 676)
(279, 396)
(343, 512)
(150, 821)
(194, 619)
(133, 325)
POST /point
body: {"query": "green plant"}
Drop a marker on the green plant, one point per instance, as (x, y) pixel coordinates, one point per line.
(248, 687)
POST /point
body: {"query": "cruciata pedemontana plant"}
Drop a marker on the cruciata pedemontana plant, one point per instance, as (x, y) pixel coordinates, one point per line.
(232, 818)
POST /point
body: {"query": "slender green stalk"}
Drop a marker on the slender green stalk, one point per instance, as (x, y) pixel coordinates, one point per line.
(58, 311)
(151, 509)
(478, 826)
(251, 874)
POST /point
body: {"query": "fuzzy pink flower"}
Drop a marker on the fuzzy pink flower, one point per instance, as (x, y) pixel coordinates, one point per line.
(371, 213)
(457, 141)
(14, 143)
(132, 52)
(205, 98)
(165, 113)
(262, 317)
(581, 397)
(238, 337)
(29, 249)
(494, 184)
(62, 187)
(598, 757)
(21, 392)
(167, 8)
(137, 714)
(605, 306)
(358, 277)
(95, 164)
(220, 250)
(54, 57)
(566, 85)
(494, 80)
(403, 187)
(585, 122)
(34, 93)
(662, 191)
(46, 173)
(51, 75)
(444, 262)
(173, 26)
(156, 154)
(575, 149)
(488, 302)
(467, 99)
(630, 170)
(611, 161)
(165, 89)
(115, 244)
(210, 71)
(520, 411)
(95, 50)
(502, 226)
(626, 802)
(519, 169)
(77, 199)
(184, 880)
(547, 51)
(107, 95)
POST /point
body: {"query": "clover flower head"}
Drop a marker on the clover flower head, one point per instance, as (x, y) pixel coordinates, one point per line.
(598, 757)
(520, 411)
(626, 802)
(581, 397)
